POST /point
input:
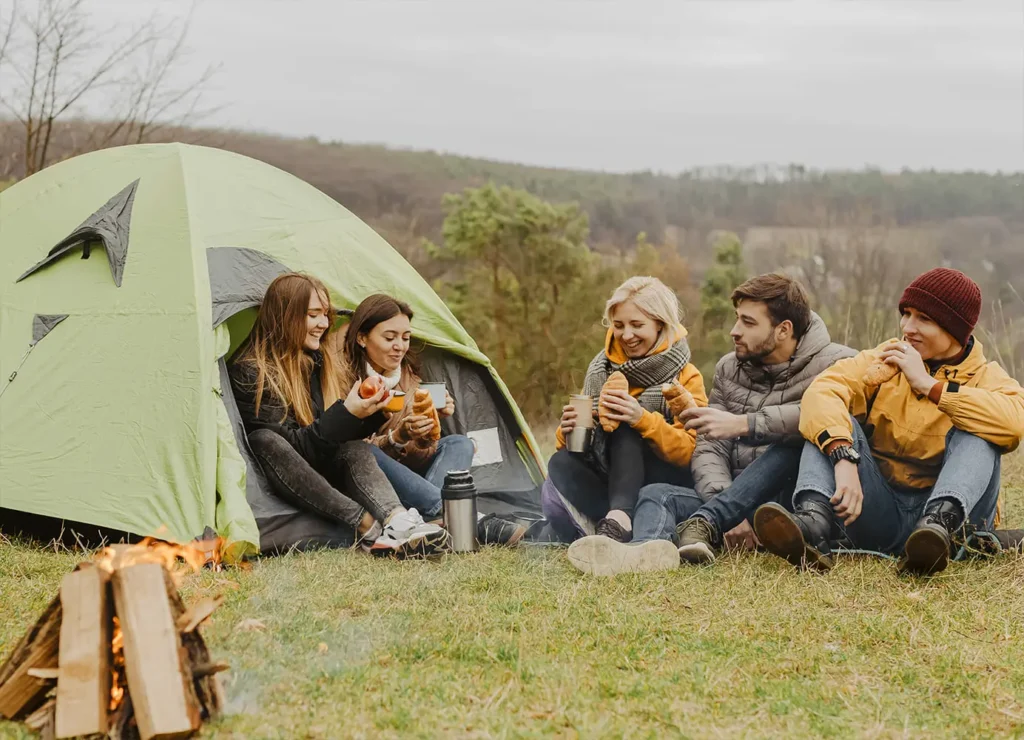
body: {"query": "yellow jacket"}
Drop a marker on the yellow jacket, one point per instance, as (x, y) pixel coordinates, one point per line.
(670, 441)
(907, 432)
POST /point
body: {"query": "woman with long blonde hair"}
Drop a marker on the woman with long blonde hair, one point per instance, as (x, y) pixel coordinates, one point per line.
(646, 342)
(306, 428)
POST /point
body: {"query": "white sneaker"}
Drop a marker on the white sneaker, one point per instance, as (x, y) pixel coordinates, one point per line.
(408, 536)
(602, 556)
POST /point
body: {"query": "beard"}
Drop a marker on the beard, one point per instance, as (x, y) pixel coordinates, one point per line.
(758, 352)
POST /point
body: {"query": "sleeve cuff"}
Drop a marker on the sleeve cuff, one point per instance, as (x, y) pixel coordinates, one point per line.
(646, 424)
(833, 434)
(949, 397)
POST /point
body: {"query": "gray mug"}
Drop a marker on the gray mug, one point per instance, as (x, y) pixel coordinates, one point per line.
(578, 440)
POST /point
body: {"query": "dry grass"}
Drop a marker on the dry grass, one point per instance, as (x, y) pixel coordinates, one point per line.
(516, 643)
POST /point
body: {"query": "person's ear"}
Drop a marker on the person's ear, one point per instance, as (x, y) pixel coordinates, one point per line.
(785, 329)
(361, 340)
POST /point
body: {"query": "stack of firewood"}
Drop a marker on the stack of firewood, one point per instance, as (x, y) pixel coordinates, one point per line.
(116, 653)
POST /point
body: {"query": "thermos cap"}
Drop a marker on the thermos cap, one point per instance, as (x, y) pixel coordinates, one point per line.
(458, 484)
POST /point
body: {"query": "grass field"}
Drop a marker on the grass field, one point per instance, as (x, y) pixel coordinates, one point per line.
(516, 643)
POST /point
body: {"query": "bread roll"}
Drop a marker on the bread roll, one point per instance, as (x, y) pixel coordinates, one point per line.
(679, 399)
(616, 382)
(879, 372)
(423, 405)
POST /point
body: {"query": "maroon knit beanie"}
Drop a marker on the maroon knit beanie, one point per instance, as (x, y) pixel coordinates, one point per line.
(951, 298)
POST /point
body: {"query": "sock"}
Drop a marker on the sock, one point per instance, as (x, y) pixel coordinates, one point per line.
(622, 518)
(365, 524)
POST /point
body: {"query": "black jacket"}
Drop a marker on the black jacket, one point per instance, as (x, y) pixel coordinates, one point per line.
(315, 442)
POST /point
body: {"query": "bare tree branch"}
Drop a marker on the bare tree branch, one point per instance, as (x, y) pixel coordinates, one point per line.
(63, 68)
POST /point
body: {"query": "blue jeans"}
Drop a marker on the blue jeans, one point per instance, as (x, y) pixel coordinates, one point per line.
(770, 477)
(969, 476)
(423, 492)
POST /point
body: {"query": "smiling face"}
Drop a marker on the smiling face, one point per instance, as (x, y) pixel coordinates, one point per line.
(636, 332)
(317, 321)
(930, 340)
(387, 343)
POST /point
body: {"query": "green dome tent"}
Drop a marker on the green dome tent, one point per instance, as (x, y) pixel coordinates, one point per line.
(127, 277)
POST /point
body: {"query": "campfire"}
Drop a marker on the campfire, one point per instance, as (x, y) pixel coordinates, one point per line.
(117, 653)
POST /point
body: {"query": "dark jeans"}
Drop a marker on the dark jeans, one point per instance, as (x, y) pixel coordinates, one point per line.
(423, 492)
(969, 476)
(352, 469)
(771, 477)
(632, 465)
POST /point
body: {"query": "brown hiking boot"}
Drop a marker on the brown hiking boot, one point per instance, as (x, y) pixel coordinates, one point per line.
(802, 538)
(613, 530)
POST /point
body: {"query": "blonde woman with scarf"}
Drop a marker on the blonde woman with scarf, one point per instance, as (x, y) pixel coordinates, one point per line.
(646, 342)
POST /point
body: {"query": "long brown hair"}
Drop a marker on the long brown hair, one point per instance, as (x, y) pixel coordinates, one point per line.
(374, 310)
(276, 346)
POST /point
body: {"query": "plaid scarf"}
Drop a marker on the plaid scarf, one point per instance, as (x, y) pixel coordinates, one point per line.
(648, 372)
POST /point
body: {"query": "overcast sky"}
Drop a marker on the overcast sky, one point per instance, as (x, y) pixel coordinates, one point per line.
(625, 85)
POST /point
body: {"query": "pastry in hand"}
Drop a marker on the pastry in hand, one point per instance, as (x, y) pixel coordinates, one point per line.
(616, 382)
(678, 398)
(423, 405)
(879, 372)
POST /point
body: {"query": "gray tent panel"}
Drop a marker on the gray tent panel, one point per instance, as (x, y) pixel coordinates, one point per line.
(281, 525)
(43, 323)
(480, 408)
(239, 277)
(109, 226)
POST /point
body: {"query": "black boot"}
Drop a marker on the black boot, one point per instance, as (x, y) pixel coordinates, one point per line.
(802, 537)
(928, 548)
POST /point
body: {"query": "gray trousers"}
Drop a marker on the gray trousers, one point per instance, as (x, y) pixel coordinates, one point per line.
(340, 488)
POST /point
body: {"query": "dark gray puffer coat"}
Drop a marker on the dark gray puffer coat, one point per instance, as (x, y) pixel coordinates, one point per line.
(770, 396)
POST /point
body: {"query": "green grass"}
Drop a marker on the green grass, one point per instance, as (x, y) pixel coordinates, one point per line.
(516, 643)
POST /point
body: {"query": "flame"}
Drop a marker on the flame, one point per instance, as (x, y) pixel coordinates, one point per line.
(116, 666)
(152, 550)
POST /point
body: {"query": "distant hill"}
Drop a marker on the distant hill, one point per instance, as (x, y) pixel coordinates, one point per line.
(973, 217)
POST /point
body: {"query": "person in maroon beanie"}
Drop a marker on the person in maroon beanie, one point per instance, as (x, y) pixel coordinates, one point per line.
(903, 441)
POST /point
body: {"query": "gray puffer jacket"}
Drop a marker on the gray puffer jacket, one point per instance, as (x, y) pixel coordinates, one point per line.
(770, 397)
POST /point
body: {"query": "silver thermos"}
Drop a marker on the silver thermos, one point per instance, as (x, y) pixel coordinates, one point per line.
(459, 498)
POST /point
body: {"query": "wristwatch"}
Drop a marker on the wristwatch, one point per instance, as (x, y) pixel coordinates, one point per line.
(844, 452)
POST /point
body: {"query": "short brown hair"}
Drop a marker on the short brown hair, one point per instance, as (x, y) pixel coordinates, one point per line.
(785, 298)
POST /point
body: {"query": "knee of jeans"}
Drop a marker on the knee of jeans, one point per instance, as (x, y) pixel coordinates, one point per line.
(859, 435)
(659, 493)
(960, 438)
(356, 450)
(267, 442)
(559, 466)
(457, 443)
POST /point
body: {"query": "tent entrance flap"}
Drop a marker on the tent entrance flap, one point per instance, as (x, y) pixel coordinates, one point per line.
(108, 227)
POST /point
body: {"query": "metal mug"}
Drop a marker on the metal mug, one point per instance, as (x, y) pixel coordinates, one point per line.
(578, 440)
(437, 393)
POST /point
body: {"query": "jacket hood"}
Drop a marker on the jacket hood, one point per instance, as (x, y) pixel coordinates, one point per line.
(814, 341)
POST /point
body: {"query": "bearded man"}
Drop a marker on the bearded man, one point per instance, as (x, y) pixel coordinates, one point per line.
(748, 445)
